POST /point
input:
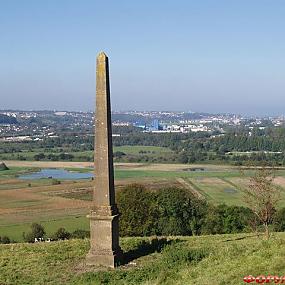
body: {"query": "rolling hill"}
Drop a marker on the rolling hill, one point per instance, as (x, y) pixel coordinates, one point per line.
(218, 259)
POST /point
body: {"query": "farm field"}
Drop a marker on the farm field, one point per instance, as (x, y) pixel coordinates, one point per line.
(215, 259)
(132, 151)
(67, 202)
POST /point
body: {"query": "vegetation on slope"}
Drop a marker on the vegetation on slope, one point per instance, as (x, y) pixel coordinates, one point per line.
(219, 259)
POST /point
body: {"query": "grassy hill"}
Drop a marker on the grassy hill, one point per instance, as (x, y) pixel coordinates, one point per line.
(219, 259)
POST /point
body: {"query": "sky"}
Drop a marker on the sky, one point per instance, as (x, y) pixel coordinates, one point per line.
(217, 56)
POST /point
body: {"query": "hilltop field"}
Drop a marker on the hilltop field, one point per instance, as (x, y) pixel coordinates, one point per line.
(207, 260)
(55, 203)
(65, 203)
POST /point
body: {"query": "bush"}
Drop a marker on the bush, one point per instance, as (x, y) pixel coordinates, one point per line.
(279, 220)
(236, 219)
(80, 234)
(175, 211)
(39, 156)
(139, 211)
(61, 234)
(55, 182)
(37, 231)
(118, 154)
(225, 219)
(5, 240)
(170, 211)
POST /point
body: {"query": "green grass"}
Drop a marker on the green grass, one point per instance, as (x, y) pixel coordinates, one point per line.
(137, 149)
(219, 191)
(15, 171)
(15, 231)
(126, 174)
(154, 151)
(218, 260)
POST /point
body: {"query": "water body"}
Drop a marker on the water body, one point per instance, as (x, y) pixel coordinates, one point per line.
(230, 190)
(195, 169)
(56, 174)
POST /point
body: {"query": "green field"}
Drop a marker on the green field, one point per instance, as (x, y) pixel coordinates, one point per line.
(207, 260)
(136, 149)
(132, 151)
(15, 232)
(23, 202)
(15, 171)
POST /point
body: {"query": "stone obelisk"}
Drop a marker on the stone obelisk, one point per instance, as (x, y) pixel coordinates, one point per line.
(104, 216)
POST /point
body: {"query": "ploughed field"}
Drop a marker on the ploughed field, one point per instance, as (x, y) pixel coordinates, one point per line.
(65, 203)
(218, 259)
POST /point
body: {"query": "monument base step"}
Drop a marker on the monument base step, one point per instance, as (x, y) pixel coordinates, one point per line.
(105, 259)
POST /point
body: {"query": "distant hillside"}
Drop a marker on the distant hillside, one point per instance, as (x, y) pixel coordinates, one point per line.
(205, 260)
(4, 119)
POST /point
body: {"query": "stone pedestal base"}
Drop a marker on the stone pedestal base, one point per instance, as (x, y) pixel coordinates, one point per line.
(104, 259)
(104, 238)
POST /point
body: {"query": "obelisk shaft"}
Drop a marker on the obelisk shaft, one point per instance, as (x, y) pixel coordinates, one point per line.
(104, 173)
(104, 216)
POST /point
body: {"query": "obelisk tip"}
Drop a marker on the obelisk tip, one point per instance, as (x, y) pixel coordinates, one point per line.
(102, 55)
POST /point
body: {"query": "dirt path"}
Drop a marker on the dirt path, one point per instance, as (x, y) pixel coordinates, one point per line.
(188, 186)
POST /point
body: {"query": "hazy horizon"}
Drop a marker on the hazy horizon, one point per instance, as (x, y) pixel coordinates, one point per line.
(204, 56)
(135, 110)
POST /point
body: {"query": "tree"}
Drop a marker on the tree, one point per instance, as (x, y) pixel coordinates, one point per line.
(213, 222)
(261, 196)
(175, 211)
(138, 211)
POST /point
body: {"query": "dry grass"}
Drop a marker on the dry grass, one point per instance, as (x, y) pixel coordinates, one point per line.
(26, 204)
(132, 166)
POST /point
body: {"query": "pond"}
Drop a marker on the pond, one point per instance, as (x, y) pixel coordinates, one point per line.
(195, 169)
(230, 190)
(56, 174)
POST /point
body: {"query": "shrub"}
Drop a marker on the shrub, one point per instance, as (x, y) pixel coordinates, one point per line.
(119, 154)
(5, 240)
(279, 220)
(80, 234)
(175, 211)
(61, 234)
(39, 156)
(55, 182)
(179, 212)
(225, 219)
(37, 231)
(139, 212)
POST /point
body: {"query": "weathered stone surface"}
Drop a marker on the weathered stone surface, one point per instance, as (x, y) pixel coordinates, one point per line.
(104, 216)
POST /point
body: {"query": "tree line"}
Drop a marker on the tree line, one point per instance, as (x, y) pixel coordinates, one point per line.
(237, 146)
(175, 211)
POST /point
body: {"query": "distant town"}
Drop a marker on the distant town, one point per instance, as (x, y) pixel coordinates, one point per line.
(36, 125)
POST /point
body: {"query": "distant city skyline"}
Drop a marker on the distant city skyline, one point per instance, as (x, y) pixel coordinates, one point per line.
(144, 110)
(204, 56)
